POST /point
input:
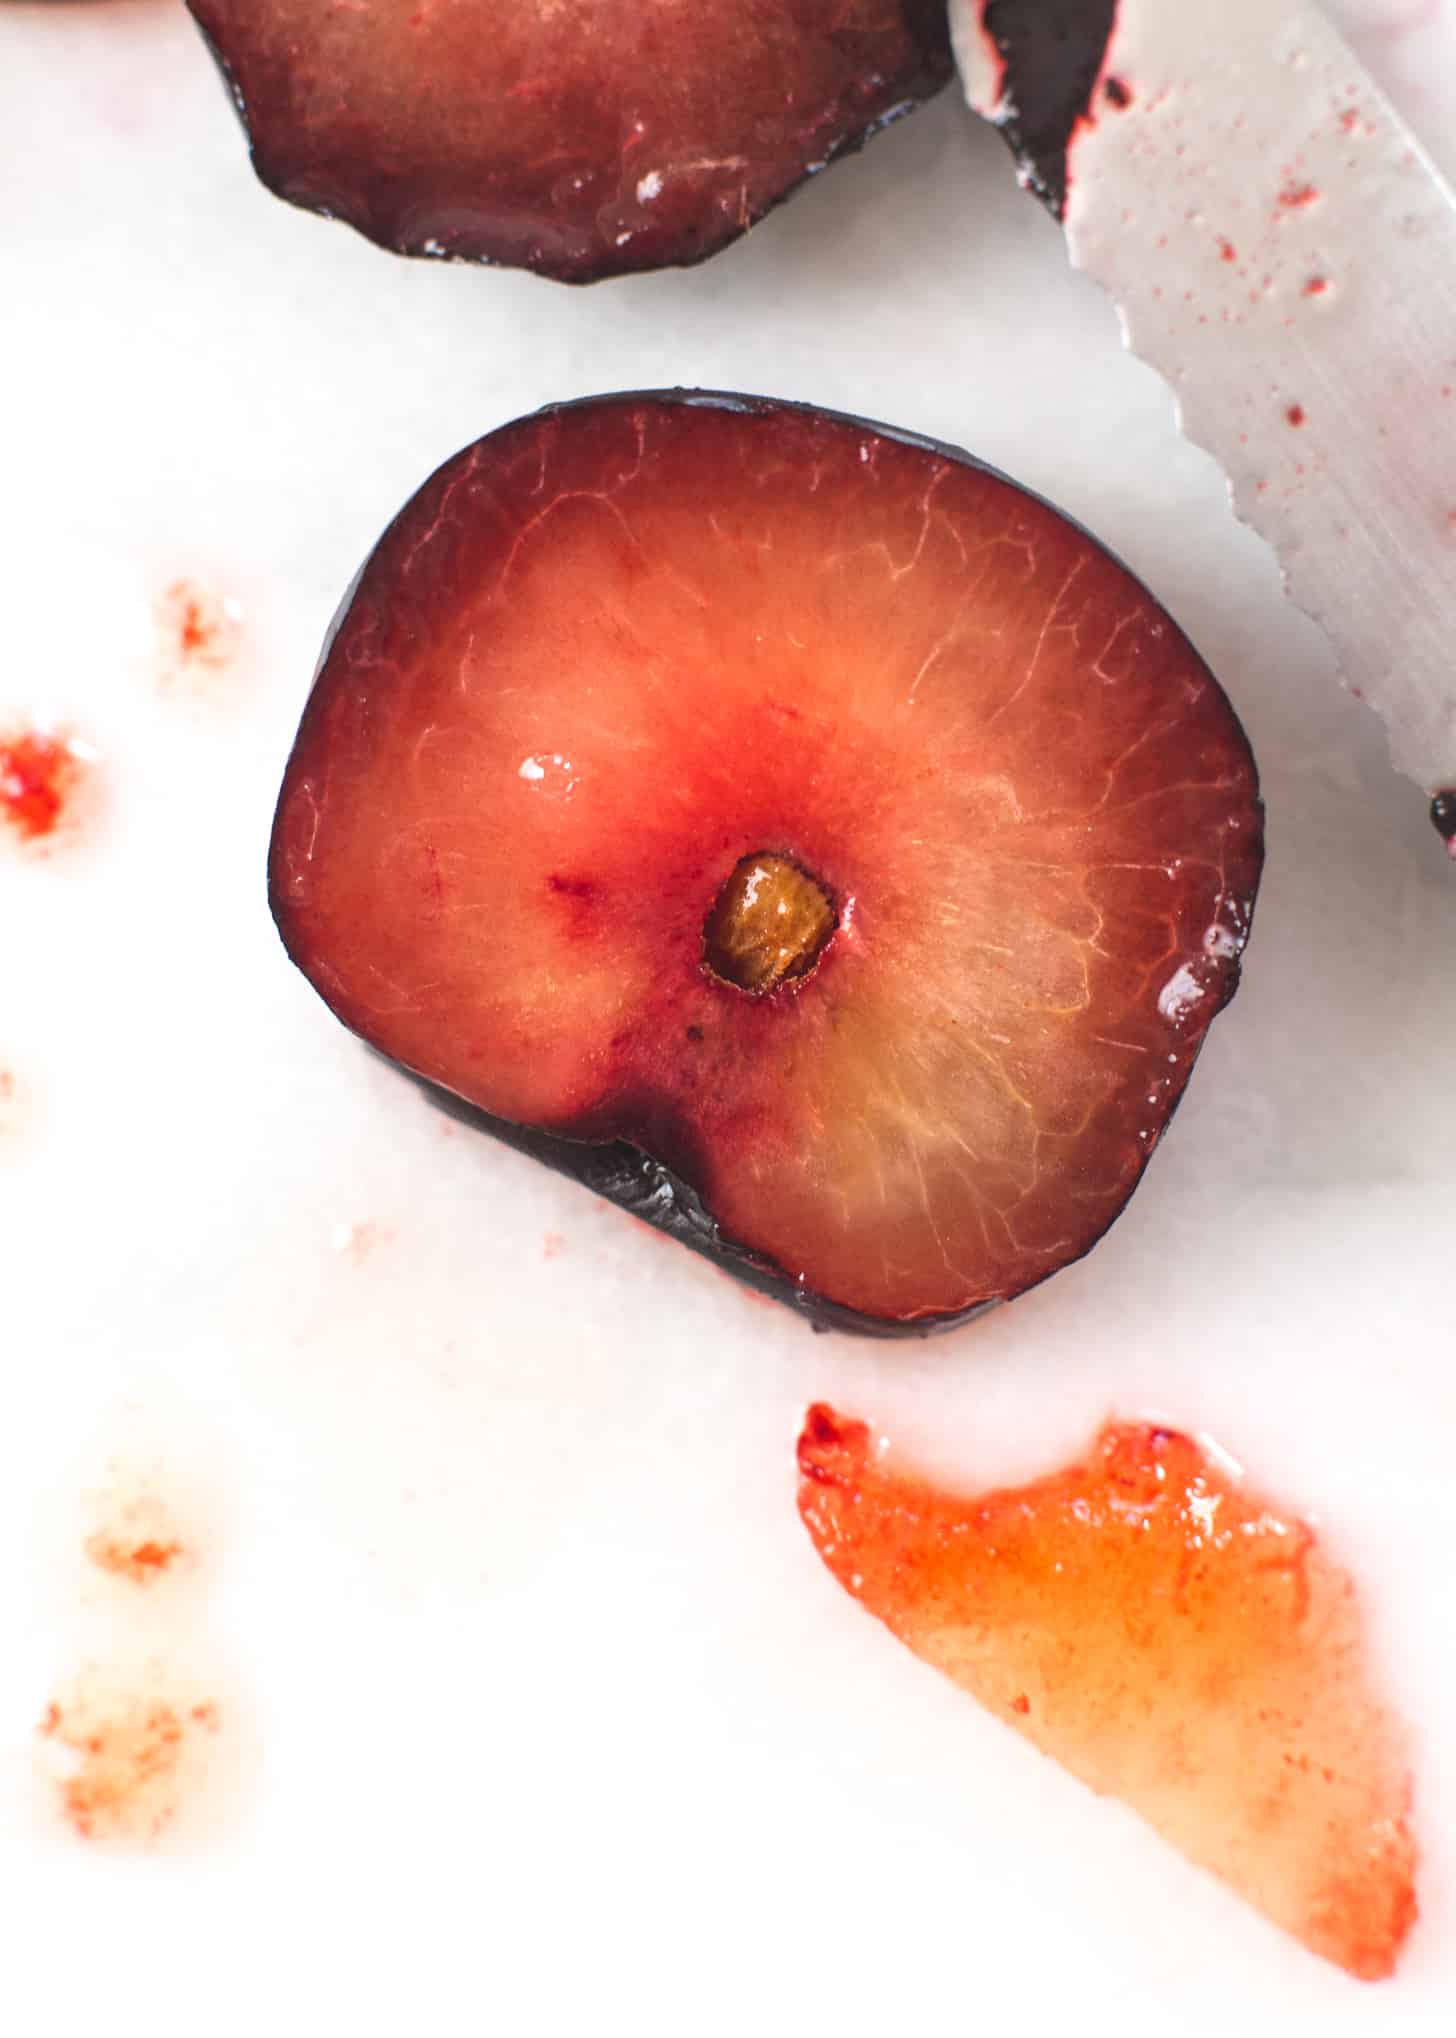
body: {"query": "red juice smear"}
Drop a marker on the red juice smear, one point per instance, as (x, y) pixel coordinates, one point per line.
(1295, 415)
(130, 1758)
(138, 1544)
(1172, 1638)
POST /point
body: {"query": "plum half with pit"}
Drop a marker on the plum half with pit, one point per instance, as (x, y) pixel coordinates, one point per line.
(789, 827)
(581, 141)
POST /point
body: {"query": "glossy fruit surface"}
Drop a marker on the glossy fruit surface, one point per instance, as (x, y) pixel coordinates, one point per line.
(1172, 1638)
(612, 656)
(580, 141)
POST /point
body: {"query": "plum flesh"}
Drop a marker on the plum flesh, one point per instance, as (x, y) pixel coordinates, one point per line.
(611, 653)
(582, 141)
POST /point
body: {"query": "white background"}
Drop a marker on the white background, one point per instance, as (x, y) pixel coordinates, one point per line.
(540, 1711)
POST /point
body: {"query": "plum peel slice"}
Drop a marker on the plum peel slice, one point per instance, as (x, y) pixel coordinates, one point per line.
(586, 141)
(1169, 1636)
(609, 653)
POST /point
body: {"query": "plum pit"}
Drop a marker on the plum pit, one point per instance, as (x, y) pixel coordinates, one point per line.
(769, 925)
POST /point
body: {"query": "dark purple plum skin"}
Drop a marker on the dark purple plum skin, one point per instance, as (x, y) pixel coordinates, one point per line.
(624, 1175)
(1053, 52)
(461, 134)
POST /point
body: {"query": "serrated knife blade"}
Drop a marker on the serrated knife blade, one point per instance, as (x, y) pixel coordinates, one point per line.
(1283, 251)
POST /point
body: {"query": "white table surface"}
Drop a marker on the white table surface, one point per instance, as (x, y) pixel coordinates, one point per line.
(539, 1710)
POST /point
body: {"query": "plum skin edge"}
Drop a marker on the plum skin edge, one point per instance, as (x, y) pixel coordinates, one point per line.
(625, 1175)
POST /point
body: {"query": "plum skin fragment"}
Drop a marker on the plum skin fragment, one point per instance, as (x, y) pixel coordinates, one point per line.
(611, 651)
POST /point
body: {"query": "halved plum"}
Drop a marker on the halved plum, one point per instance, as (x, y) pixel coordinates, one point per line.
(816, 843)
(581, 141)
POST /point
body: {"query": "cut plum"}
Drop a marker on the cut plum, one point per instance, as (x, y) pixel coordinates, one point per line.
(1170, 1637)
(791, 828)
(580, 141)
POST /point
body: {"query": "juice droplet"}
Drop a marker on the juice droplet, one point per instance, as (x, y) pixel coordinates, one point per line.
(38, 773)
(200, 630)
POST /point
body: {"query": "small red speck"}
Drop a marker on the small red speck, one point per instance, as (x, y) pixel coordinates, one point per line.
(199, 630)
(1296, 196)
(551, 1245)
(360, 1240)
(1358, 692)
(37, 773)
(1117, 92)
(1317, 286)
(1021, 1703)
(1295, 414)
(1350, 119)
(1227, 251)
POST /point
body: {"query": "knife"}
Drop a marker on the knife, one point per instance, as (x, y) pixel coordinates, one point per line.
(1283, 251)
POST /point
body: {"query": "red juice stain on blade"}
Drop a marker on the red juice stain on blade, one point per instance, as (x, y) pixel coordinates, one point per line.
(1295, 415)
(1227, 252)
(1296, 197)
(1171, 1637)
